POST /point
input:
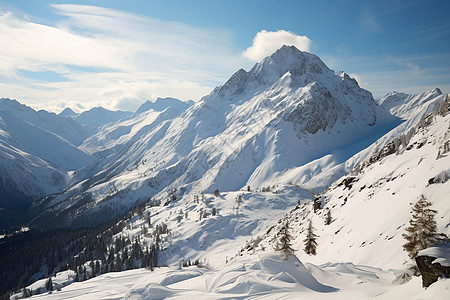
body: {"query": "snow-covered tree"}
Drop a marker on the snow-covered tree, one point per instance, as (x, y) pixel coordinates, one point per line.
(422, 229)
(171, 193)
(239, 200)
(310, 240)
(284, 244)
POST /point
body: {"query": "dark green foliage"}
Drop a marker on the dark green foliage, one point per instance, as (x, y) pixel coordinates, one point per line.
(328, 217)
(422, 228)
(22, 255)
(284, 244)
(49, 284)
(310, 240)
(27, 293)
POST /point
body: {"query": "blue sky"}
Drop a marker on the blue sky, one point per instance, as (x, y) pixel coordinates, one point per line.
(118, 54)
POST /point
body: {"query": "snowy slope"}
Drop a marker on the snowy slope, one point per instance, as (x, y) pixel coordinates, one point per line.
(262, 277)
(39, 148)
(34, 161)
(359, 255)
(124, 133)
(37, 153)
(92, 120)
(20, 134)
(406, 106)
(67, 112)
(370, 212)
(96, 117)
(288, 119)
(161, 104)
(66, 128)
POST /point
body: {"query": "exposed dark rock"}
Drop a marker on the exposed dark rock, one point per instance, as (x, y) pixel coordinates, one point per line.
(348, 182)
(431, 271)
(316, 204)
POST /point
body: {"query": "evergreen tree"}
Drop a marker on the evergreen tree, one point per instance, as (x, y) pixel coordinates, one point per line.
(92, 266)
(310, 240)
(136, 250)
(49, 284)
(284, 244)
(422, 230)
(26, 293)
(328, 217)
(97, 268)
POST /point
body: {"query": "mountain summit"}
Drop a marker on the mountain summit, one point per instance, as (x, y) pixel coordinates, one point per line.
(289, 119)
(318, 96)
(287, 59)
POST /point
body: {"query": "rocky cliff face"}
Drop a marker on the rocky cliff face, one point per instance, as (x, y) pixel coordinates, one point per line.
(433, 263)
(430, 271)
(256, 129)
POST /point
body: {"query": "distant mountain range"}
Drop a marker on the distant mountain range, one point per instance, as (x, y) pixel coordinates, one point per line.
(289, 119)
(215, 183)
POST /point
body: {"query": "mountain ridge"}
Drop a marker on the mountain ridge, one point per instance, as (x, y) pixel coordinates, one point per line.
(253, 130)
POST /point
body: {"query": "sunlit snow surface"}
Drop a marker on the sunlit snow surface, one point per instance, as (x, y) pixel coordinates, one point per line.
(264, 276)
(359, 254)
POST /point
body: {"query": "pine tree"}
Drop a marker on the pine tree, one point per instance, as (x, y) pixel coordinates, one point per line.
(422, 230)
(310, 240)
(49, 284)
(328, 217)
(26, 293)
(284, 244)
(97, 268)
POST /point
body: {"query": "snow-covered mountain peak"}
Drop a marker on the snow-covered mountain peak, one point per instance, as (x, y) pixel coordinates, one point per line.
(394, 98)
(13, 105)
(311, 96)
(289, 58)
(405, 105)
(301, 65)
(98, 116)
(161, 104)
(67, 112)
(276, 123)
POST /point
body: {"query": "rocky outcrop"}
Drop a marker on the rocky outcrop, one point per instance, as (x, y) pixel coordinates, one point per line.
(431, 271)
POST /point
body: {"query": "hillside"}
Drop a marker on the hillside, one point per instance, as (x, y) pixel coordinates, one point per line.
(288, 119)
(185, 199)
(40, 153)
(370, 208)
(404, 105)
(359, 253)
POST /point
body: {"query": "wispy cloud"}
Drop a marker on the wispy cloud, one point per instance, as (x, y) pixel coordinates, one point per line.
(267, 42)
(414, 69)
(407, 73)
(110, 58)
(368, 23)
(359, 79)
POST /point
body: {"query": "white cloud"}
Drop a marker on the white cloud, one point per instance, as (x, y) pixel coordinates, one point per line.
(107, 56)
(267, 42)
(360, 81)
(414, 69)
